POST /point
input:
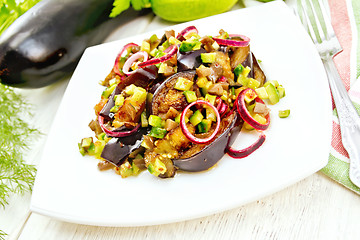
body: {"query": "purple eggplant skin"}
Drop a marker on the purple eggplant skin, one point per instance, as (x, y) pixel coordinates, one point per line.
(118, 149)
(105, 111)
(258, 73)
(45, 43)
(189, 60)
(213, 152)
(142, 77)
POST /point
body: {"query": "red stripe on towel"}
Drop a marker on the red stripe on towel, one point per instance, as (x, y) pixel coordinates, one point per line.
(341, 23)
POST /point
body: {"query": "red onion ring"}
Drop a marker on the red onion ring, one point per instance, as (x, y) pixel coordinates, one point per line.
(187, 31)
(221, 106)
(118, 57)
(219, 103)
(132, 59)
(232, 42)
(246, 151)
(187, 133)
(244, 113)
(116, 134)
(171, 51)
(223, 109)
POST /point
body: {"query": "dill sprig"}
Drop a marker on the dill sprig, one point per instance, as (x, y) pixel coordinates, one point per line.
(16, 176)
(2, 235)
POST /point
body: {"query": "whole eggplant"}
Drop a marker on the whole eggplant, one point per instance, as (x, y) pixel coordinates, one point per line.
(45, 44)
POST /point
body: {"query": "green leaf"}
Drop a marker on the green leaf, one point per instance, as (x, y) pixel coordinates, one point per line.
(10, 10)
(119, 7)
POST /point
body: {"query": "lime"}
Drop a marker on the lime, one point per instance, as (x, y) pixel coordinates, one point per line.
(187, 10)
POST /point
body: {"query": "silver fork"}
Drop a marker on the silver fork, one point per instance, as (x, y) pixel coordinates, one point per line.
(313, 15)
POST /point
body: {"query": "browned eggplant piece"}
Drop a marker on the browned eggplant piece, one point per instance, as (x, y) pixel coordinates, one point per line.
(142, 77)
(189, 60)
(209, 155)
(118, 149)
(162, 101)
(239, 56)
(197, 157)
(258, 72)
(242, 55)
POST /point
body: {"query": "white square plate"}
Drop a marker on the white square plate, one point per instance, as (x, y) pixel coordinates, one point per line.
(69, 186)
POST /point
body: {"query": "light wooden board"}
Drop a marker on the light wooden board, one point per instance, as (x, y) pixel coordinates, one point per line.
(314, 208)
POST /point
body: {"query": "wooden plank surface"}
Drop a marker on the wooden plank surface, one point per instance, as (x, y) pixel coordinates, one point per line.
(314, 208)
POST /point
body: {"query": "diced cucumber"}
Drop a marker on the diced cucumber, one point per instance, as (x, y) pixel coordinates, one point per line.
(157, 167)
(144, 120)
(243, 80)
(261, 92)
(125, 170)
(205, 89)
(153, 38)
(99, 146)
(210, 114)
(201, 82)
(129, 90)
(238, 70)
(251, 107)
(174, 41)
(249, 96)
(284, 113)
(272, 93)
(281, 91)
(208, 57)
(260, 119)
(210, 98)
(183, 84)
(248, 127)
(190, 96)
(225, 96)
(155, 121)
(177, 118)
(204, 125)
(115, 108)
(145, 46)
(107, 92)
(273, 82)
(253, 83)
(86, 142)
(196, 118)
(135, 169)
(119, 100)
(186, 46)
(157, 132)
(139, 95)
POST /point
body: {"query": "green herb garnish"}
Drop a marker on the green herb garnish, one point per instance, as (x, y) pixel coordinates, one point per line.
(10, 10)
(16, 176)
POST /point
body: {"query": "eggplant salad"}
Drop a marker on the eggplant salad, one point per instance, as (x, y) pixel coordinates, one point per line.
(178, 103)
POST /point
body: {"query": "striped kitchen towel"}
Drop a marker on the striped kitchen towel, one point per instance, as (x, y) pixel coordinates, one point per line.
(345, 16)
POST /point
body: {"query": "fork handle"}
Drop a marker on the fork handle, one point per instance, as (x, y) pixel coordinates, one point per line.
(349, 119)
